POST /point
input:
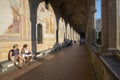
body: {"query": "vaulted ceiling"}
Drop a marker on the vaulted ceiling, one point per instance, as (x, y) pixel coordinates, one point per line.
(74, 12)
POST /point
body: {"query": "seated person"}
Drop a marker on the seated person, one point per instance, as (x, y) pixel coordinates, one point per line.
(26, 53)
(14, 55)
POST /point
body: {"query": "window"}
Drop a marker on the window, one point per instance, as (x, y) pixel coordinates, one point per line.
(47, 5)
(39, 33)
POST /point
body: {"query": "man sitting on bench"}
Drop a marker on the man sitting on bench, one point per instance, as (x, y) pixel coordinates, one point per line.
(15, 56)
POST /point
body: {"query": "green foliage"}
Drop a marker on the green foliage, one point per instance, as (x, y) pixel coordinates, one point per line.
(99, 35)
(99, 38)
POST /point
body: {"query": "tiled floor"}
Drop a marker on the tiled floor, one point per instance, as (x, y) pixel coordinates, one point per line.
(68, 64)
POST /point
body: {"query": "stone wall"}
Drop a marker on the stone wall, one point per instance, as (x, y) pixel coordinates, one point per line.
(5, 46)
(98, 68)
(18, 26)
(47, 43)
(15, 27)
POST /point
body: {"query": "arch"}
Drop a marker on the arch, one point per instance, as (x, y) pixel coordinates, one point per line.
(98, 25)
(39, 33)
(34, 6)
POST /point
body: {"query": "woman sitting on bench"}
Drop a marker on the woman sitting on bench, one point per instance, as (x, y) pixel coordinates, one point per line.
(26, 53)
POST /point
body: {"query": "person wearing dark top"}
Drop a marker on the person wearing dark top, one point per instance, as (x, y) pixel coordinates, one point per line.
(15, 55)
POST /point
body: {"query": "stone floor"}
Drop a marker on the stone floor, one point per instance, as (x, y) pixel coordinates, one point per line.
(68, 64)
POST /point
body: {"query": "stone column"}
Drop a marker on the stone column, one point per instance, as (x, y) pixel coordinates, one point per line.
(118, 23)
(108, 25)
(70, 34)
(33, 19)
(66, 30)
(57, 29)
(104, 30)
(112, 24)
(73, 35)
(93, 21)
(88, 32)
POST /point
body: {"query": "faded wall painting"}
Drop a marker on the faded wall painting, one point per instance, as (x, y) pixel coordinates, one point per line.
(68, 31)
(46, 17)
(9, 18)
(61, 30)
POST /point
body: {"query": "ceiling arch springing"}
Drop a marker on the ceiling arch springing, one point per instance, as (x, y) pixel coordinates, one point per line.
(73, 11)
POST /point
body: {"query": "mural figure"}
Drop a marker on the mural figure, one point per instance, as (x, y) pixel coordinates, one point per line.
(9, 19)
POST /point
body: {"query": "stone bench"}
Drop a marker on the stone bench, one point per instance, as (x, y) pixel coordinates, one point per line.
(44, 52)
(5, 65)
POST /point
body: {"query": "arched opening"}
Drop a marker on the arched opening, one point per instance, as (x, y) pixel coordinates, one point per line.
(82, 38)
(98, 22)
(39, 34)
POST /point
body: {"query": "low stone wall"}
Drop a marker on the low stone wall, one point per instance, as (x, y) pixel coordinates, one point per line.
(6, 46)
(98, 68)
(118, 56)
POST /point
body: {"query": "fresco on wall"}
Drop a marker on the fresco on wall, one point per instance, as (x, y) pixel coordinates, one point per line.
(46, 17)
(61, 25)
(68, 31)
(14, 27)
(9, 18)
(61, 30)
